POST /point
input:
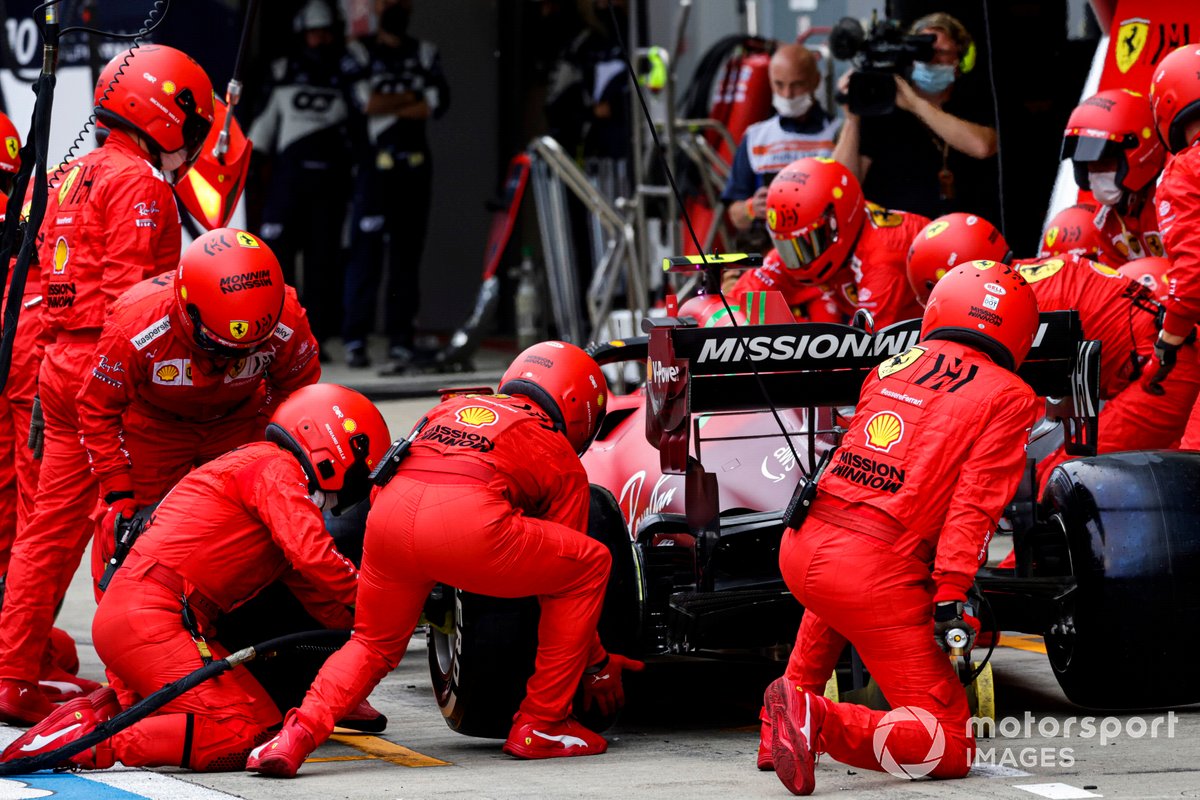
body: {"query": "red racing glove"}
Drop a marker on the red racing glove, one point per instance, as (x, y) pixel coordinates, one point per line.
(602, 683)
(121, 507)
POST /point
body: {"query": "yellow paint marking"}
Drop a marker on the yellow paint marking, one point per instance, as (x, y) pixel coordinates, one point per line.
(384, 750)
(336, 758)
(1034, 644)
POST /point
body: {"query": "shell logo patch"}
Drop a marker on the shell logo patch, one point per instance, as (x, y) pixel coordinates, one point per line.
(167, 373)
(1104, 270)
(349, 425)
(246, 240)
(884, 429)
(477, 416)
(238, 328)
(168, 87)
(12, 146)
(62, 254)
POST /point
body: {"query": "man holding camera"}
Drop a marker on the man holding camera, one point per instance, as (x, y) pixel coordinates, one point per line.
(930, 153)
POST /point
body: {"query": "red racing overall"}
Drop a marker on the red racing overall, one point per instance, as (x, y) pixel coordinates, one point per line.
(110, 222)
(491, 500)
(902, 520)
(224, 533)
(154, 405)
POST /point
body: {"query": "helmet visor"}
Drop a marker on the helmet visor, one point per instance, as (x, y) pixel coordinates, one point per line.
(210, 342)
(805, 246)
(1085, 145)
(195, 127)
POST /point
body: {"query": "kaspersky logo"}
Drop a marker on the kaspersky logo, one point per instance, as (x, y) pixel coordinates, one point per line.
(910, 718)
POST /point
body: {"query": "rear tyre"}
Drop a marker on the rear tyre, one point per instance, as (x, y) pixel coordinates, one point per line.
(1131, 522)
(482, 649)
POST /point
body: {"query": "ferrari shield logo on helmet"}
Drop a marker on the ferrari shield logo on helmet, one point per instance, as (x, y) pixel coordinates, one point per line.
(1131, 38)
(12, 145)
(238, 328)
(246, 240)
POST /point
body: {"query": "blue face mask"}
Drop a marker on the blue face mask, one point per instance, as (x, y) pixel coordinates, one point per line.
(932, 78)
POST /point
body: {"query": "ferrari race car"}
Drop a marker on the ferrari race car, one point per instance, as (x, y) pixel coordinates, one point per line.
(691, 473)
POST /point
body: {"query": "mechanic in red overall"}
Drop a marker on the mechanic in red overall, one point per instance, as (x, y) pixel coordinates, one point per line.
(492, 499)
(901, 522)
(18, 467)
(20, 455)
(1111, 143)
(828, 236)
(1175, 99)
(110, 222)
(190, 365)
(1119, 312)
(225, 532)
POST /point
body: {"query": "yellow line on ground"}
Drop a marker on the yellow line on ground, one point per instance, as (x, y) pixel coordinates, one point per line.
(336, 758)
(387, 751)
(1034, 644)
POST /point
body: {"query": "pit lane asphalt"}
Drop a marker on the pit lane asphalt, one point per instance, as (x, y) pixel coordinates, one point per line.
(689, 731)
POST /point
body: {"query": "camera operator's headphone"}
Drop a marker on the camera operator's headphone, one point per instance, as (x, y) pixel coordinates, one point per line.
(956, 31)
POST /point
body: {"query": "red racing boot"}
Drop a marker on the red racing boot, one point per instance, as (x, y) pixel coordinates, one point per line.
(765, 762)
(58, 685)
(364, 718)
(533, 738)
(23, 703)
(282, 755)
(67, 723)
(796, 720)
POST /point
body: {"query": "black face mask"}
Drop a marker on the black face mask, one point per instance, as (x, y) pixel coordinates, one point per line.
(394, 20)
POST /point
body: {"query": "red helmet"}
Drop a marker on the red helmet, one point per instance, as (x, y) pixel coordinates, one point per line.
(1151, 272)
(1115, 125)
(566, 383)
(1175, 95)
(336, 434)
(815, 213)
(948, 241)
(161, 93)
(987, 305)
(230, 292)
(1072, 231)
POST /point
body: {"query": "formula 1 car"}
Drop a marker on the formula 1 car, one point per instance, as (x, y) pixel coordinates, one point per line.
(691, 472)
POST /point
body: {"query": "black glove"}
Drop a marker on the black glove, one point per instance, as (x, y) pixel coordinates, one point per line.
(1166, 355)
(953, 628)
(37, 427)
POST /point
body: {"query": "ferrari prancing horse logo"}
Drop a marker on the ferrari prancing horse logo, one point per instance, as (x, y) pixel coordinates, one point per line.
(12, 145)
(238, 328)
(1131, 38)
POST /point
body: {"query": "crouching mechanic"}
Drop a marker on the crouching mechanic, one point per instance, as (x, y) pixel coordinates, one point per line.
(828, 236)
(190, 365)
(224, 533)
(492, 499)
(948, 421)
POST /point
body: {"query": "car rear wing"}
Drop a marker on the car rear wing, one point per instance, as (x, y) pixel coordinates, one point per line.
(694, 370)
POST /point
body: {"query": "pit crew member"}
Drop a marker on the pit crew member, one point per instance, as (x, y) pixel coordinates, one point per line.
(894, 527)
(110, 222)
(492, 499)
(261, 521)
